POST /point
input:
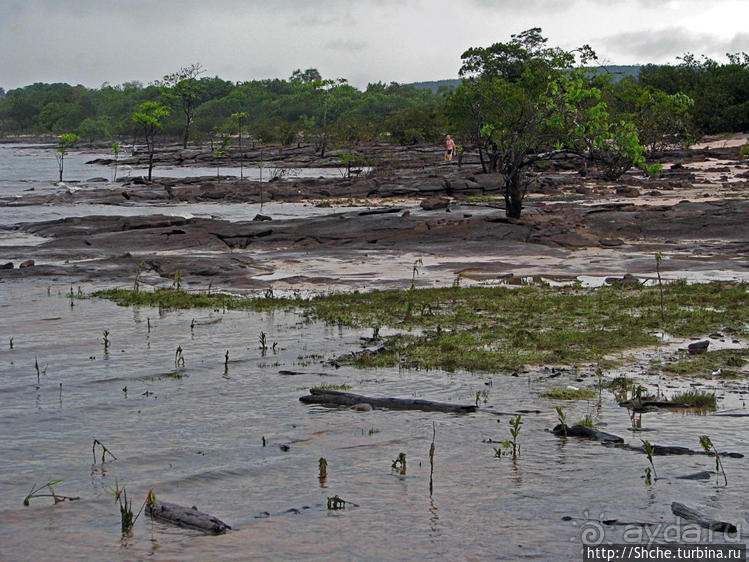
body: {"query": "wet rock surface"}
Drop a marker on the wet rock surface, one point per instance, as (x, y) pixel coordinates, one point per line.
(412, 207)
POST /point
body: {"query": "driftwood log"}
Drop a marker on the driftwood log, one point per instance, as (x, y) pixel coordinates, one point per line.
(690, 514)
(585, 433)
(188, 517)
(336, 397)
(616, 442)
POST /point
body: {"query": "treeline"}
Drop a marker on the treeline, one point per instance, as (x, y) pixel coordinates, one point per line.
(334, 113)
(274, 110)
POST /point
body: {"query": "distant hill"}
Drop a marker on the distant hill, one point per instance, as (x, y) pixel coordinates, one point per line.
(435, 85)
(618, 71)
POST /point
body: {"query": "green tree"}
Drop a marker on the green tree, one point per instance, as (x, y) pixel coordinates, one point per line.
(661, 119)
(239, 119)
(187, 90)
(149, 117)
(529, 100)
(63, 144)
(116, 149)
(92, 128)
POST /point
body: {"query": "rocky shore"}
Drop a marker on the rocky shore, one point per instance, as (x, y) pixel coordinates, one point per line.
(404, 206)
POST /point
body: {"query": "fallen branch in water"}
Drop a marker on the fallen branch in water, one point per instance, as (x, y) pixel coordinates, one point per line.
(104, 451)
(690, 514)
(188, 517)
(34, 493)
(320, 396)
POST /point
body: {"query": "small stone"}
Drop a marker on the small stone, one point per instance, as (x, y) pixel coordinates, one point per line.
(27, 263)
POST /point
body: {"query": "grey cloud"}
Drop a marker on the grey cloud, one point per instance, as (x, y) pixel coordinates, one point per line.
(659, 45)
(351, 45)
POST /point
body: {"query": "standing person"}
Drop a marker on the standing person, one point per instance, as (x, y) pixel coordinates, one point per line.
(450, 148)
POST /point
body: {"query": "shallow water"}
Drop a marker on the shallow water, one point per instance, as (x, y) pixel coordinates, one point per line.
(197, 440)
(25, 168)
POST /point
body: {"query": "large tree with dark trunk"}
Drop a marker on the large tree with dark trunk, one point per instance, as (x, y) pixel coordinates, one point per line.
(528, 101)
(186, 89)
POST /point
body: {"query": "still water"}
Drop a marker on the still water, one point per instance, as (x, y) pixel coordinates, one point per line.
(195, 436)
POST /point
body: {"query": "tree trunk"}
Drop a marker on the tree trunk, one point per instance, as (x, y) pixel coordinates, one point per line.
(481, 159)
(150, 159)
(514, 193)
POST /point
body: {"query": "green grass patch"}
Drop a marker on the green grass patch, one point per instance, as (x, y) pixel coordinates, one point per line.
(729, 361)
(495, 329)
(341, 387)
(179, 299)
(696, 399)
(569, 394)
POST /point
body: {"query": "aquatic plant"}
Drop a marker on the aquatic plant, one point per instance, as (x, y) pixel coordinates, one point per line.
(710, 450)
(431, 459)
(34, 493)
(649, 452)
(562, 417)
(177, 283)
(336, 502)
(497, 329)
(104, 451)
(697, 399)
(587, 421)
(658, 258)
(105, 340)
(724, 361)
(342, 386)
(410, 294)
(399, 463)
(263, 343)
(179, 358)
(127, 520)
(482, 395)
(322, 466)
(515, 424)
(136, 282)
(569, 394)
(10, 342)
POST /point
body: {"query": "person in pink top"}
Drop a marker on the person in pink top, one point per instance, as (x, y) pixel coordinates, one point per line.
(449, 148)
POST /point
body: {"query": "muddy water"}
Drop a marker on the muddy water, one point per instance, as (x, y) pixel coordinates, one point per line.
(195, 436)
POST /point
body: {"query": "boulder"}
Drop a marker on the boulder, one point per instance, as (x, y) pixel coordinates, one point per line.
(698, 347)
(27, 263)
(433, 203)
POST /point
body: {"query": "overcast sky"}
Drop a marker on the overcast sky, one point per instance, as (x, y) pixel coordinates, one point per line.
(94, 41)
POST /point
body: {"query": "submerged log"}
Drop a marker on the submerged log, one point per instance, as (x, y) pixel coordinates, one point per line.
(661, 450)
(585, 433)
(611, 440)
(690, 514)
(320, 396)
(188, 517)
